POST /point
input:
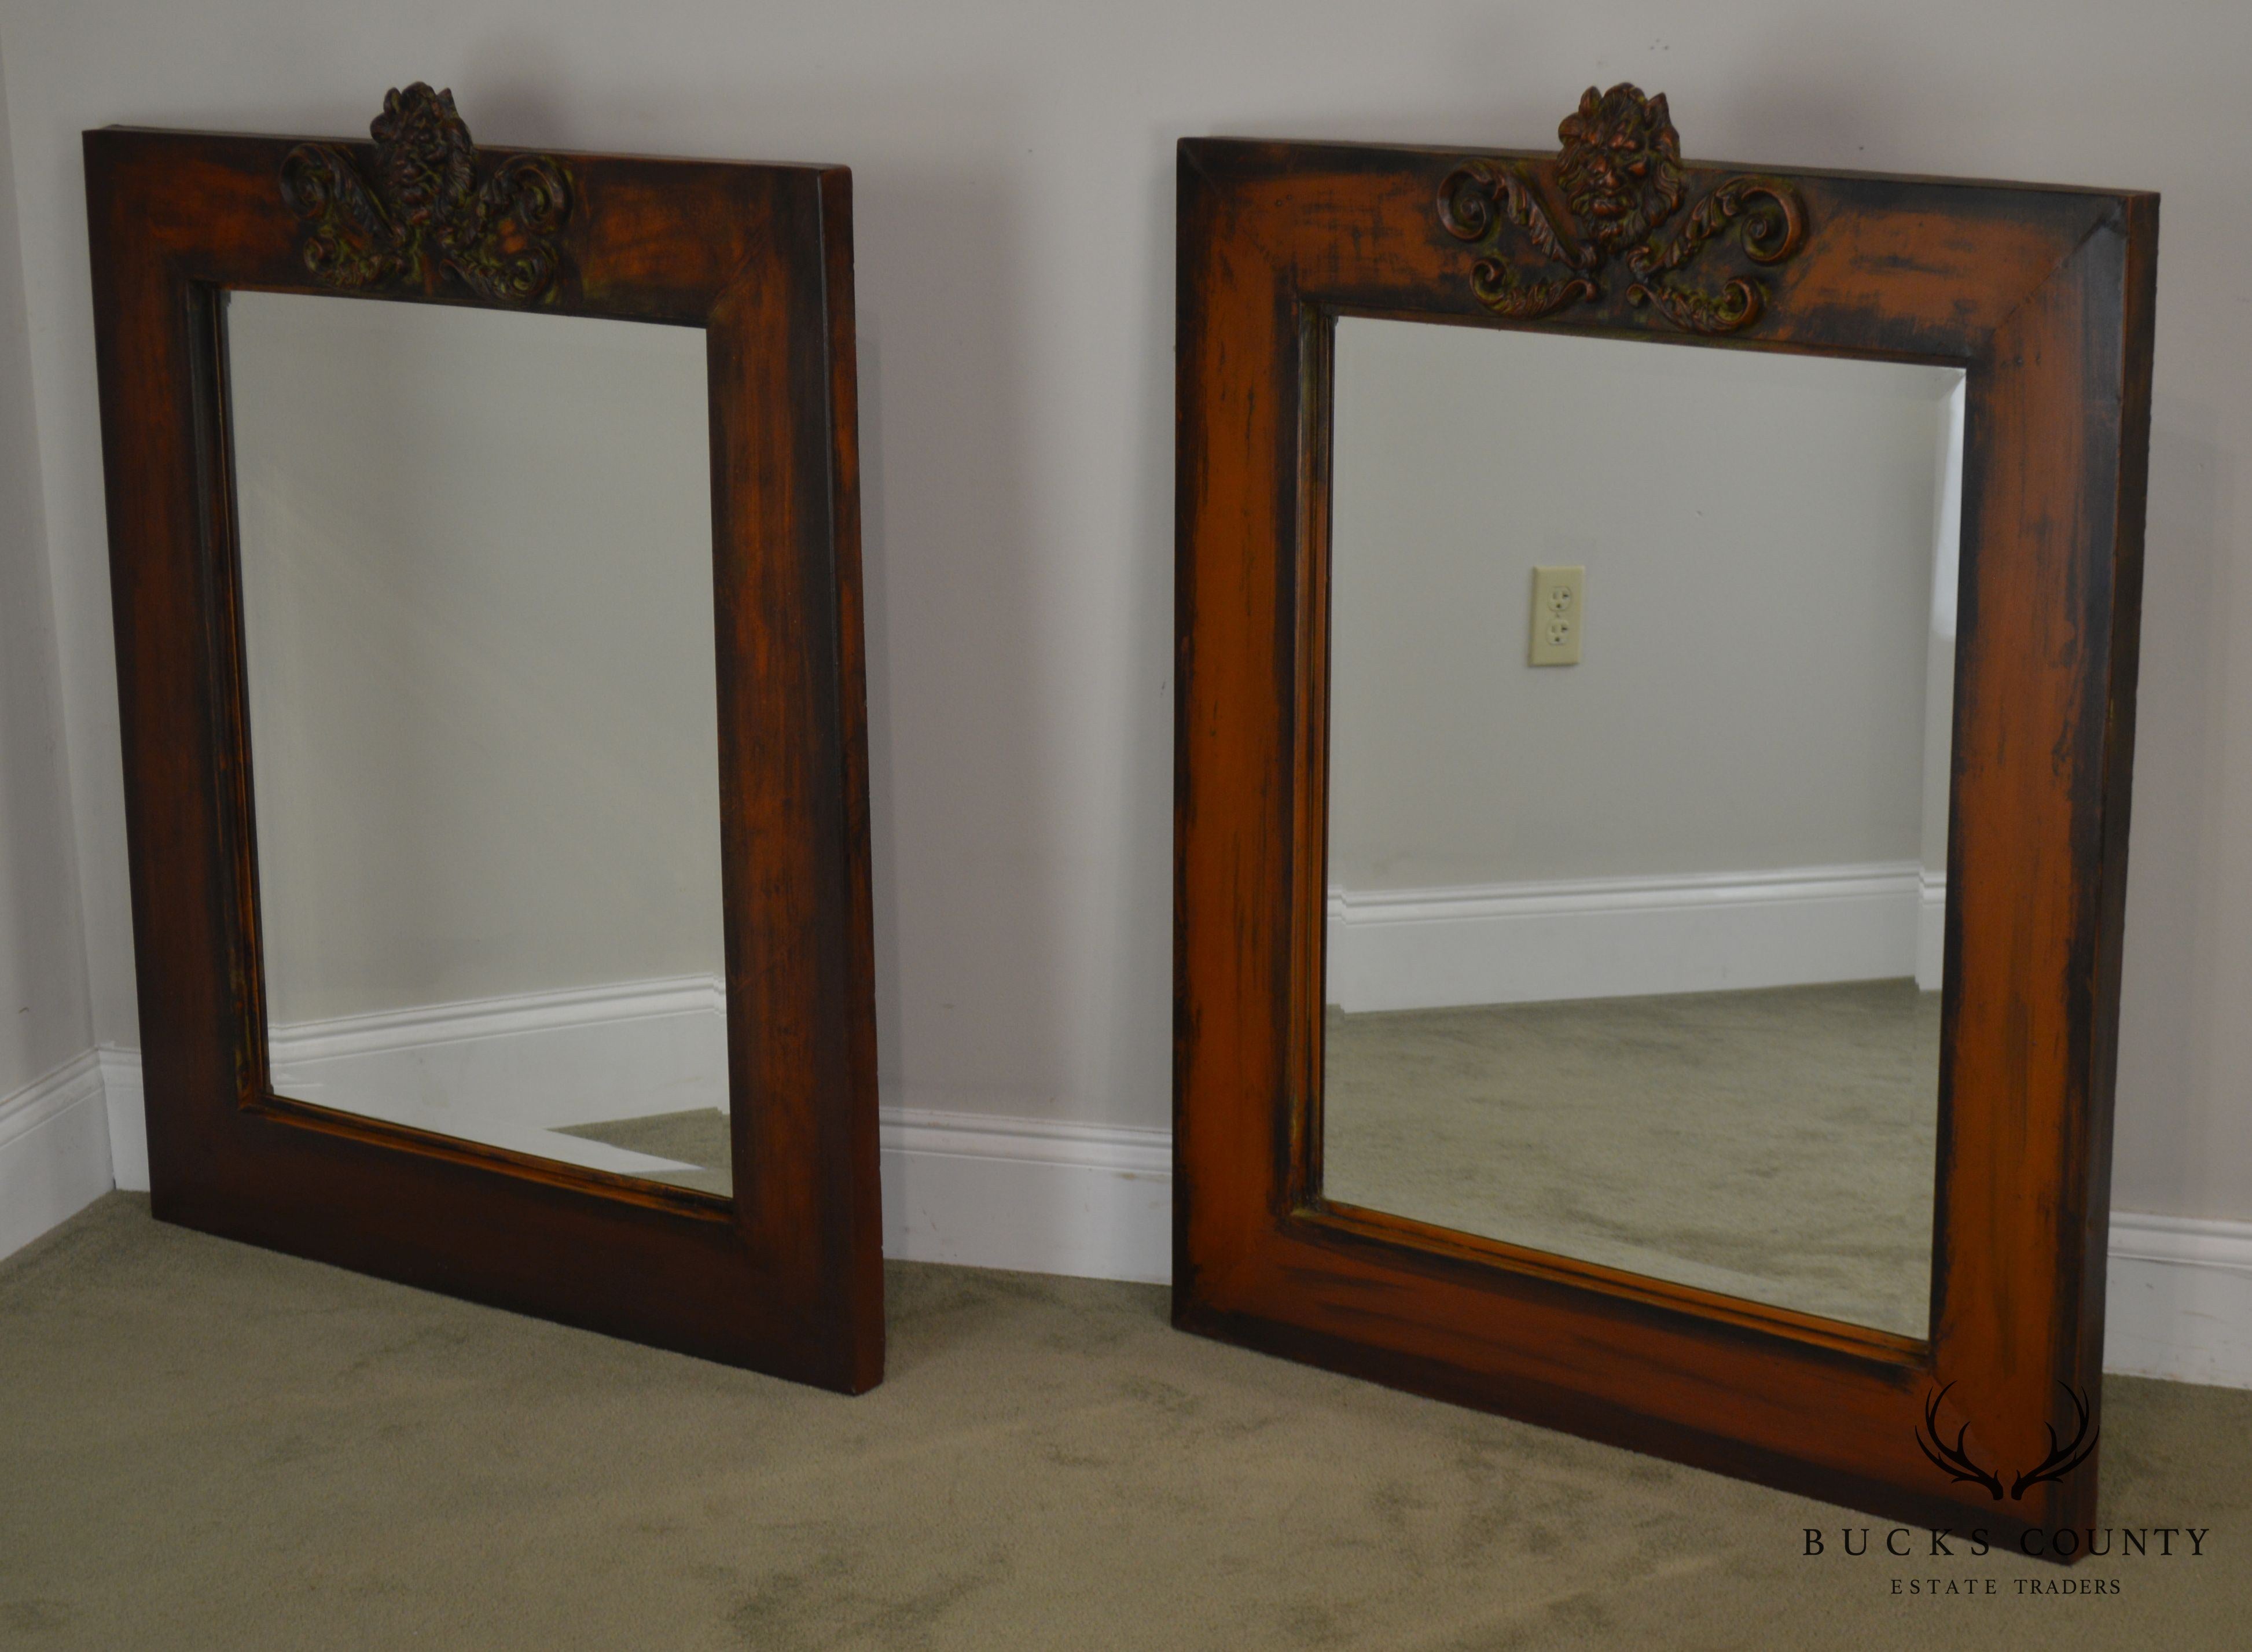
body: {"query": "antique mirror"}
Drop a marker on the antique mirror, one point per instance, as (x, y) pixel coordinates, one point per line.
(485, 546)
(1657, 649)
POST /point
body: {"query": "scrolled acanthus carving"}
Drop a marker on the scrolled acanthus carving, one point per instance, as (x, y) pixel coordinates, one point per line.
(420, 214)
(1622, 182)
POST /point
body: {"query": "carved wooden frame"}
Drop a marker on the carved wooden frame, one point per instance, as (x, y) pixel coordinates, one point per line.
(2045, 295)
(786, 1276)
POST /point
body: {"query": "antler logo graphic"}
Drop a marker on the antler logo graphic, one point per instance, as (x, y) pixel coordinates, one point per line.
(2062, 1460)
(1956, 1463)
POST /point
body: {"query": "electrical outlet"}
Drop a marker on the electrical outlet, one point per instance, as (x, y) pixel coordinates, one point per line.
(1559, 612)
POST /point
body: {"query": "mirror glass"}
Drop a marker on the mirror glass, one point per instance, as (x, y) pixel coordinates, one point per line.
(1641, 693)
(479, 646)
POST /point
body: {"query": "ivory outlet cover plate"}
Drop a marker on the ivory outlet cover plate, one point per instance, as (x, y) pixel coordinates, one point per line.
(1559, 603)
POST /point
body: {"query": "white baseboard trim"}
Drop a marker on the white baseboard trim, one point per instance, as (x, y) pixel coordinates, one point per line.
(54, 1150)
(982, 1189)
(129, 1119)
(1036, 1196)
(1931, 932)
(1618, 937)
(1095, 1201)
(2179, 1303)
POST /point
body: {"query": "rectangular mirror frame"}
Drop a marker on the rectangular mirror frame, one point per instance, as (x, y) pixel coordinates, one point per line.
(786, 1277)
(2045, 295)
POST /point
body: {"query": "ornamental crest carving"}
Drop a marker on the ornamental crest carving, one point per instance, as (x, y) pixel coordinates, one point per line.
(1620, 185)
(418, 215)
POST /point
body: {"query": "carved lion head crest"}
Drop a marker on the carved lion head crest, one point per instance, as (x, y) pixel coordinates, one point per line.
(425, 210)
(425, 158)
(1621, 165)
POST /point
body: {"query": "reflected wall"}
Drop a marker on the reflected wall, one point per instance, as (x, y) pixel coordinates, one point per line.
(479, 634)
(1637, 960)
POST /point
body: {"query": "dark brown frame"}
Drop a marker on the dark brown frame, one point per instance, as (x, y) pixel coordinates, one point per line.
(2045, 295)
(784, 1277)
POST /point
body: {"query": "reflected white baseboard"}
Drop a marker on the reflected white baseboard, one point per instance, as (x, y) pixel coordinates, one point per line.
(123, 1102)
(54, 1150)
(1621, 937)
(426, 1025)
(991, 1190)
(534, 1063)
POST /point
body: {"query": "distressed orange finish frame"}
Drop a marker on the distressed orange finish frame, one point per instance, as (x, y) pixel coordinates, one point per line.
(2044, 297)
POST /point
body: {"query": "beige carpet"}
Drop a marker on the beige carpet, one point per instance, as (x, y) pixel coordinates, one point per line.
(1777, 1145)
(203, 1446)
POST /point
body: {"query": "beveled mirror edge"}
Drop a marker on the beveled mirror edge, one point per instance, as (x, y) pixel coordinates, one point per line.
(1239, 194)
(1308, 1204)
(1427, 1242)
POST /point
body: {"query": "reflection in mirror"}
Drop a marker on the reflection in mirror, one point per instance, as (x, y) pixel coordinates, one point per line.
(479, 646)
(1634, 959)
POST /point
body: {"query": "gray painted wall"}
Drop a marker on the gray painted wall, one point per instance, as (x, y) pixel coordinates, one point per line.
(1757, 535)
(1014, 183)
(478, 618)
(43, 1019)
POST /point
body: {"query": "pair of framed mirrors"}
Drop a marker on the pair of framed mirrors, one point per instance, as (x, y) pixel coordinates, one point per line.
(1657, 655)
(484, 538)
(1656, 697)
